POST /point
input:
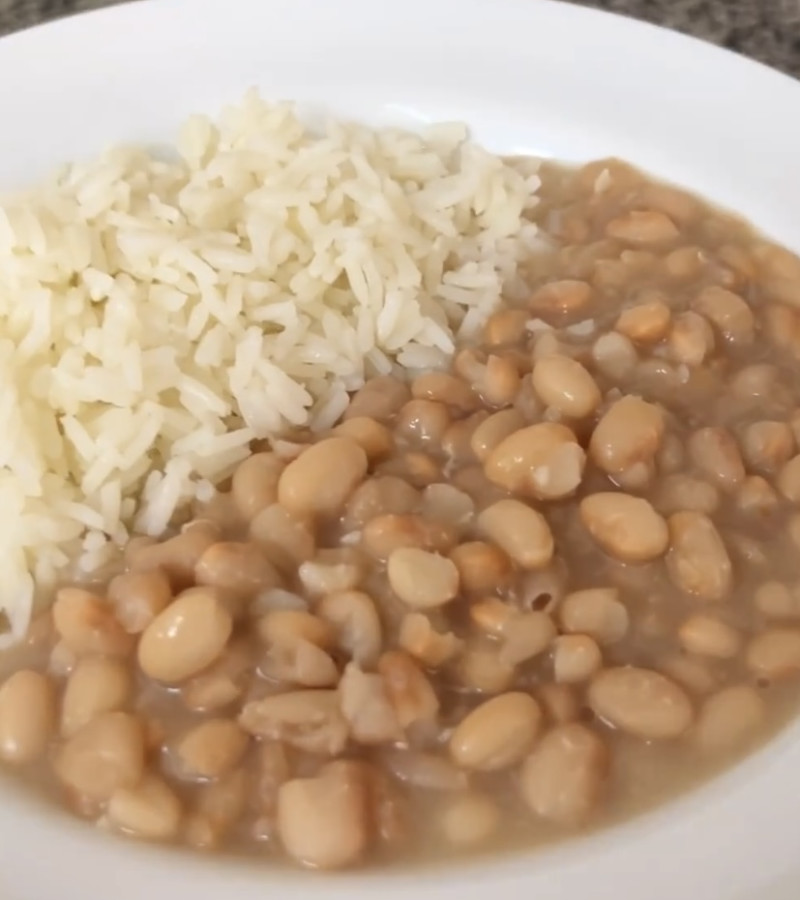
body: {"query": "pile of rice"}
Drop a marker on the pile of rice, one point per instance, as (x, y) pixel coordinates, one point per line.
(157, 314)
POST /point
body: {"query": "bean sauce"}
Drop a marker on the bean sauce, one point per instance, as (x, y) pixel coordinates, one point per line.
(492, 606)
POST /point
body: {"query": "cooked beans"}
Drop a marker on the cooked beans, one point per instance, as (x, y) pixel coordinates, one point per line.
(729, 719)
(96, 685)
(149, 810)
(626, 527)
(496, 734)
(630, 432)
(186, 637)
(306, 836)
(27, 716)
(321, 479)
(440, 622)
(544, 460)
(521, 532)
(698, 562)
(106, 754)
(640, 702)
(421, 579)
(596, 612)
(775, 654)
(709, 636)
(566, 386)
(563, 778)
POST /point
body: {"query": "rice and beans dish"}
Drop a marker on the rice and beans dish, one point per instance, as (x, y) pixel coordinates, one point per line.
(368, 496)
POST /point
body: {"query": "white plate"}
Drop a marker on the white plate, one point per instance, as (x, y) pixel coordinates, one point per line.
(530, 76)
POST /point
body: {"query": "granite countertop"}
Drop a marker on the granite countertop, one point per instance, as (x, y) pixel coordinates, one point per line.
(768, 30)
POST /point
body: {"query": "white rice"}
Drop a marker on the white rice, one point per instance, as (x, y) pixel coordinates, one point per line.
(156, 316)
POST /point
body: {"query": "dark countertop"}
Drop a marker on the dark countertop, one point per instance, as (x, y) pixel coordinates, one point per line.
(768, 30)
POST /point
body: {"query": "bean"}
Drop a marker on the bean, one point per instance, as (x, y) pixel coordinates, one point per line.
(408, 688)
(775, 654)
(576, 657)
(678, 205)
(85, 623)
(428, 771)
(448, 504)
(138, 597)
(285, 539)
(422, 422)
(309, 720)
(684, 492)
(481, 567)
(716, 454)
(525, 636)
(566, 297)
(27, 716)
(186, 637)
(544, 460)
(421, 640)
(775, 600)
(299, 663)
(377, 496)
(698, 562)
(493, 430)
(499, 381)
(756, 496)
(708, 636)
(380, 399)
(728, 719)
(789, 480)
(366, 706)
(457, 439)
(255, 484)
(210, 749)
(96, 685)
(420, 579)
(640, 702)
(563, 779)
(374, 438)
(629, 432)
(691, 673)
(384, 535)
(491, 615)
(642, 228)
(237, 568)
(497, 734)
(596, 612)
(471, 819)
(566, 386)
(559, 702)
(506, 326)
(767, 446)
(615, 355)
(444, 388)
(627, 528)
(355, 620)
(322, 821)
(646, 323)
(287, 626)
(685, 263)
(321, 479)
(150, 810)
(691, 339)
(105, 755)
(417, 468)
(178, 556)
(479, 668)
(331, 571)
(731, 316)
(521, 532)
(221, 683)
